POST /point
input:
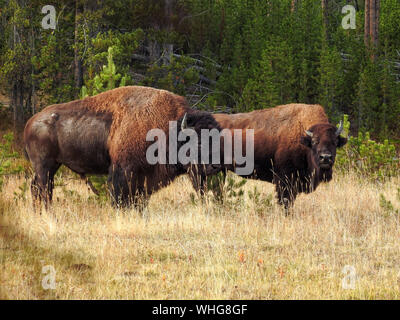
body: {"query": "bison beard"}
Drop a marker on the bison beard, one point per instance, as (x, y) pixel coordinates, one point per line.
(106, 134)
(294, 147)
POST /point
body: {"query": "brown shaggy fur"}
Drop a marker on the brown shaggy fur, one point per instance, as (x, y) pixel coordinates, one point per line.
(104, 134)
(280, 154)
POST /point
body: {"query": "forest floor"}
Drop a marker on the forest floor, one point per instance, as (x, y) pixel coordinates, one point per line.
(338, 243)
(4, 100)
(5, 115)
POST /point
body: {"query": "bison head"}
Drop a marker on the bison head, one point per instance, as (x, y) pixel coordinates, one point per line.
(322, 140)
(197, 121)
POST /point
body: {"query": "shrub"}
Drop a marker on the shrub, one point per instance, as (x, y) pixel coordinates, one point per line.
(261, 202)
(178, 76)
(226, 189)
(107, 79)
(369, 158)
(388, 206)
(7, 154)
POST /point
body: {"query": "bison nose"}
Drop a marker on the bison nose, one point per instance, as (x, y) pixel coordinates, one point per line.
(325, 157)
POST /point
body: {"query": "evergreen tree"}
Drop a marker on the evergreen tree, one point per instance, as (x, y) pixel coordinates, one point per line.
(331, 81)
(107, 79)
(369, 97)
(230, 54)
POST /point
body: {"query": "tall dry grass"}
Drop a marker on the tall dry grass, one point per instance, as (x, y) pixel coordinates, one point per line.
(181, 248)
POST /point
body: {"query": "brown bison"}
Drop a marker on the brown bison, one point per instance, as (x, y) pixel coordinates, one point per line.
(106, 134)
(294, 147)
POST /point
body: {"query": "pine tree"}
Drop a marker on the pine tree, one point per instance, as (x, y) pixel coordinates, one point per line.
(107, 79)
(331, 81)
(391, 99)
(369, 98)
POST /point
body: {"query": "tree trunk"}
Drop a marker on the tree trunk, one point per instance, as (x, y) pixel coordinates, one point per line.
(374, 28)
(32, 94)
(356, 5)
(18, 108)
(371, 31)
(78, 75)
(372, 20)
(168, 47)
(154, 51)
(367, 23)
(17, 96)
(294, 5)
(325, 12)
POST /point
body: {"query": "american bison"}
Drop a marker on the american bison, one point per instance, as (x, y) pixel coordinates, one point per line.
(106, 134)
(294, 147)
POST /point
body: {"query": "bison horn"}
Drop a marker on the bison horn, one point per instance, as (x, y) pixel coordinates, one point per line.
(340, 129)
(309, 133)
(184, 122)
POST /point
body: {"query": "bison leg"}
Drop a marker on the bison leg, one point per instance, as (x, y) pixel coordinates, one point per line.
(286, 190)
(127, 188)
(90, 184)
(286, 196)
(118, 186)
(43, 184)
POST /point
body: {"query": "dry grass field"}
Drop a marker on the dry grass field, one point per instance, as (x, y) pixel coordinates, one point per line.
(180, 248)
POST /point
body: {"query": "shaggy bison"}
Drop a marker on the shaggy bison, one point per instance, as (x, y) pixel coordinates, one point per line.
(294, 147)
(106, 134)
